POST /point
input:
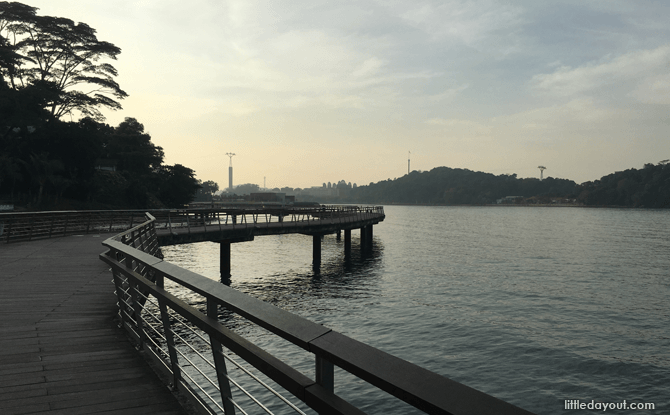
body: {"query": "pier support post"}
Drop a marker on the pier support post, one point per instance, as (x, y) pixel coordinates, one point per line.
(364, 238)
(347, 241)
(316, 250)
(225, 260)
(220, 364)
(339, 234)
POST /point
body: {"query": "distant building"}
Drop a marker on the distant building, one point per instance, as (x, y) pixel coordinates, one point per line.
(509, 200)
(320, 191)
(269, 197)
(106, 164)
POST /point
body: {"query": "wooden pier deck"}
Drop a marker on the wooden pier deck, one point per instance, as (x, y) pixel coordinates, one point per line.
(61, 352)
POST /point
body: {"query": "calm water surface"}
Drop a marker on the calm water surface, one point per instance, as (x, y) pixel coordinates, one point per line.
(531, 305)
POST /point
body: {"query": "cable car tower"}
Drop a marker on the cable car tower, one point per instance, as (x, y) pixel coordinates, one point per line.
(230, 172)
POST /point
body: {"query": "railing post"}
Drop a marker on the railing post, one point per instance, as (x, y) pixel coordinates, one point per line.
(169, 337)
(119, 292)
(32, 225)
(133, 291)
(220, 364)
(137, 307)
(51, 227)
(325, 373)
(9, 228)
(88, 223)
(111, 221)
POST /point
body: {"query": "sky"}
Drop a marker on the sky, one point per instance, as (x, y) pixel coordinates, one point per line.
(307, 92)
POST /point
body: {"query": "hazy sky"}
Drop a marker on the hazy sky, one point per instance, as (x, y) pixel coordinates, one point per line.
(306, 92)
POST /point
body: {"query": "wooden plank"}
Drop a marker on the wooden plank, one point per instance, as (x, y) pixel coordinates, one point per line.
(60, 350)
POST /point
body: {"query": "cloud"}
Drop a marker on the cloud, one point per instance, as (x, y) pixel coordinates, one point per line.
(476, 24)
(461, 127)
(448, 94)
(369, 67)
(549, 125)
(581, 114)
(634, 66)
(654, 90)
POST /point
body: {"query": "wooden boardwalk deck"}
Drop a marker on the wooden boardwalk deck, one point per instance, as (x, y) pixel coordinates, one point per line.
(60, 350)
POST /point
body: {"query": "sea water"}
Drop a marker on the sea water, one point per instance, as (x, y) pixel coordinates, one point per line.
(534, 306)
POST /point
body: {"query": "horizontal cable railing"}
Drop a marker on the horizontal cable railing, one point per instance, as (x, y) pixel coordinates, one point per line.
(223, 372)
(25, 226)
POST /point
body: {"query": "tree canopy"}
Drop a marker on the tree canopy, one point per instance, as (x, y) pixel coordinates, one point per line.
(646, 187)
(56, 59)
(447, 186)
(51, 67)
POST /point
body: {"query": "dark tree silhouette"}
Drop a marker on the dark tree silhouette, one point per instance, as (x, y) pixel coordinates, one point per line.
(177, 185)
(132, 148)
(61, 54)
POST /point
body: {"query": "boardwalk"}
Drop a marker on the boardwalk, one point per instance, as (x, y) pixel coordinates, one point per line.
(60, 350)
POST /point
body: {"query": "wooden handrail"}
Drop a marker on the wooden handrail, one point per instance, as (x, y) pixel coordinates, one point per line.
(427, 391)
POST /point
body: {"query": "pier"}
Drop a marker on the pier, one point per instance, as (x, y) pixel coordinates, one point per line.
(195, 351)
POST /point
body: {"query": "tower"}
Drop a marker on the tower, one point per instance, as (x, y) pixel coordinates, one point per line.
(408, 154)
(230, 172)
(542, 169)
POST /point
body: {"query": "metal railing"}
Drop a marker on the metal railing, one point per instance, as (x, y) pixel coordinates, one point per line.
(209, 362)
(26, 226)
(202, 219)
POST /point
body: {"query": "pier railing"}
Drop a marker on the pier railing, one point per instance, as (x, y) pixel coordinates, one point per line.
(179, 319)
(26, 226)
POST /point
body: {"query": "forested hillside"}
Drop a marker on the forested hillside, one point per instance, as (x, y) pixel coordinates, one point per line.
(647, 187)
(444, 185)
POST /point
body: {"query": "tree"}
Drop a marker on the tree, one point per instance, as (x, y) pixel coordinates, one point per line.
(10, 172)
(132, 148)
(206, 191)
(60, 55)
(247, 188)
(42, 171)
(177, 185)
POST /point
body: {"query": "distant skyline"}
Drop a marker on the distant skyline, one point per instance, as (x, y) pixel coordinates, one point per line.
(306, 92)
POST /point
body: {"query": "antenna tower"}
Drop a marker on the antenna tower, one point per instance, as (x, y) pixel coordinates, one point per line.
(408, 154)
(542, 169)
(230, 172)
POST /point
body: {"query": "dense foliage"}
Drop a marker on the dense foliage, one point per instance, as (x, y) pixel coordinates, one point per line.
(62, 62)
(51, 67)
(447, 186)
(647, 187)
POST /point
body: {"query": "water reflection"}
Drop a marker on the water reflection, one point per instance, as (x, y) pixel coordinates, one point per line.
(572, 302)
(343, 276)
(279, 270)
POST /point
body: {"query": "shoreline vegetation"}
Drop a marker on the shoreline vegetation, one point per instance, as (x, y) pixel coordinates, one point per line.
(648, 187)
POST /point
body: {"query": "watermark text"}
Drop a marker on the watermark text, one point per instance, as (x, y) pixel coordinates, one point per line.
(607, 406)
